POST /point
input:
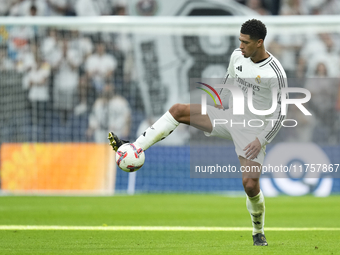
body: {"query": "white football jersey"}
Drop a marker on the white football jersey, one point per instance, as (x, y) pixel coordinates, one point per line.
(262, 78)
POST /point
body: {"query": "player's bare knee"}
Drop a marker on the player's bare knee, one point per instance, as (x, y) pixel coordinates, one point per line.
(178, 111)
(250, 186)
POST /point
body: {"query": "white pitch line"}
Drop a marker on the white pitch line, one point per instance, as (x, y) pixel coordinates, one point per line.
(154, 228)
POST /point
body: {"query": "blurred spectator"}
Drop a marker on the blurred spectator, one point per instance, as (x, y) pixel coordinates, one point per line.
(5, 6)
(33, 10)
(286, 49)
(120, 10)
(57, 7)
(323, 7)
(257, 6)
(110, 112)
(29, 7)
(119, 46)
(4, 34)
(319, 48)
(93, 7)
(6, 64)
(272, 6)
(100, 67)
(124, 43)
(22, 42)
(119, 7)
(66, 78)
(122, 48)
(16, 8)
(330, 7)
(37, 83)
(86, 96)
(49, 44)
(82, 44)
(19, 37)
(292, 7)
(26, 57)
(324, 91)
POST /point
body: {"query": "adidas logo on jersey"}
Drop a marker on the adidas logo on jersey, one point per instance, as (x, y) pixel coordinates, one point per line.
(239, 68)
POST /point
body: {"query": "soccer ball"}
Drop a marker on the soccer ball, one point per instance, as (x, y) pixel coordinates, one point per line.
(129, 158)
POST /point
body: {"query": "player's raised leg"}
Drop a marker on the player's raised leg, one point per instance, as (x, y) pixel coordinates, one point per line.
(255, 200)
(189, 114)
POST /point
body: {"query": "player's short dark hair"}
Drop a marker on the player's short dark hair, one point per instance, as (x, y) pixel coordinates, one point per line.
(255, 29)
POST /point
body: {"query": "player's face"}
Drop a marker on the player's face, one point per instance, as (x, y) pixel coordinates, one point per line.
(248, 46)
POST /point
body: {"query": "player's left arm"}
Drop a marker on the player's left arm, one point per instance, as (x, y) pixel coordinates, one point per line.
(228, 79)
(274, 125)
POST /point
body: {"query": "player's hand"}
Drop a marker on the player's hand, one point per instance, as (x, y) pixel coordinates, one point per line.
(253, 149)
(219, 106)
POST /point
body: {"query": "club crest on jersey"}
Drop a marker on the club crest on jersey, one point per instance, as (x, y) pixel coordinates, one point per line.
(258, 79)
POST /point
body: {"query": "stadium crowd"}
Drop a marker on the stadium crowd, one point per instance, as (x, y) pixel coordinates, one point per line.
(80, 85)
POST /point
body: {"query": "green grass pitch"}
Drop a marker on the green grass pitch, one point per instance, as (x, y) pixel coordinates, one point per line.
(166, 210)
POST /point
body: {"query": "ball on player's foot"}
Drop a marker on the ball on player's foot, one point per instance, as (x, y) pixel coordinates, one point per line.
(129, 158)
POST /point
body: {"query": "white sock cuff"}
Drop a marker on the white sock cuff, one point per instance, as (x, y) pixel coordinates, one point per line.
(170, 118)
(256, 198)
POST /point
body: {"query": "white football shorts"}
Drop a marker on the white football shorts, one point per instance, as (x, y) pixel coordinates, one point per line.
(238, 133)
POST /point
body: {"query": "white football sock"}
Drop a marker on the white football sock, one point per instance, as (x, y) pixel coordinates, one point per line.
(158, 131)
(256, 208)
